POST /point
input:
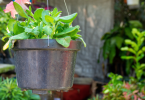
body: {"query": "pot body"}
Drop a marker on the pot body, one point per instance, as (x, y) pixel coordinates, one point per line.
(43, 67)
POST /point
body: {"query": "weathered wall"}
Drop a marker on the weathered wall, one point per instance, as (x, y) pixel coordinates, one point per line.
(95, 17)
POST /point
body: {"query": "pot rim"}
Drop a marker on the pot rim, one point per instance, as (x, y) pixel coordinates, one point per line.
(45, 39)
(42, 44)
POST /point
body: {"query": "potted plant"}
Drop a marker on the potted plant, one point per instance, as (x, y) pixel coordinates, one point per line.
(44, 47)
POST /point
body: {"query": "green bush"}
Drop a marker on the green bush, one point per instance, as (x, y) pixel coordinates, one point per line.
(114, 39)
(10, 91)
(116, 89)
(4, 18)
(136, 50)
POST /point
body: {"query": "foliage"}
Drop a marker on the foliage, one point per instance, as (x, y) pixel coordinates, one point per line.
(116, 89)
(114, 39)
(4, 18)
(40, 25)
(10, 91)
(113, 90)
(123, 13)
(137, 50)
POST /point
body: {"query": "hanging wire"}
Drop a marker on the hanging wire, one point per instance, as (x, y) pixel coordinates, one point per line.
(66, 7)
(47, 5)
(48, 9)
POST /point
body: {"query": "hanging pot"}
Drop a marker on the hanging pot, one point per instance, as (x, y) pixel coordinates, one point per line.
(42, 67)
(133, 3)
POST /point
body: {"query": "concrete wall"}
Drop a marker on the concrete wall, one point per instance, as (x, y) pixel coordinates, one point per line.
(95, 17)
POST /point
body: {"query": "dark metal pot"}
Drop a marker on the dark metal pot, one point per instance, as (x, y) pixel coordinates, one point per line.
(43, 67)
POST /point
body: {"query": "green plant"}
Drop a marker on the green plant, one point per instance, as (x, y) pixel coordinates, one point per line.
(116, 89)
(40, 25)
(114, 39)
(137, 51)
(112, 91)
(4, 18)
(10, 91)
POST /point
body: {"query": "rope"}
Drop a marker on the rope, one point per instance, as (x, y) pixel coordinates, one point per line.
(66, 7)
(47, 5)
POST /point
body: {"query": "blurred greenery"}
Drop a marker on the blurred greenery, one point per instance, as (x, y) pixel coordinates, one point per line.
(136, 51)
(4, 18)
(116, 89)
(10, 91)
(125, 19)
(115, 38)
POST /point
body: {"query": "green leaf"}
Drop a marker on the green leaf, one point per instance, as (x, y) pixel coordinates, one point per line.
(140, 57)
(55, 10)
(6, 46)
(68, 19)
(139, 52)
(65, 32)
(106, 91)
(11, 24)
(128, 57)
(135, 24)
(19, 36)
(132, 43)
(119, 41)
(76, 36)
(64, 41)
(128, 49)
(38, 13)
(30, 9)
(142, 66)
(44, 13)
(41, 28)
(27, 29)
(112, 53)
(49, 19)
(20, 10)
(82, 41)
(128, 32)
(35, 97)
(106, 49)
(75, 31)
(135, 32)
(36, 30)
(18, 28)
(143, 48)
(44, 36)
(3, 38)
(29, 12)
(47, 30)
(57, 14)
(15, 37)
